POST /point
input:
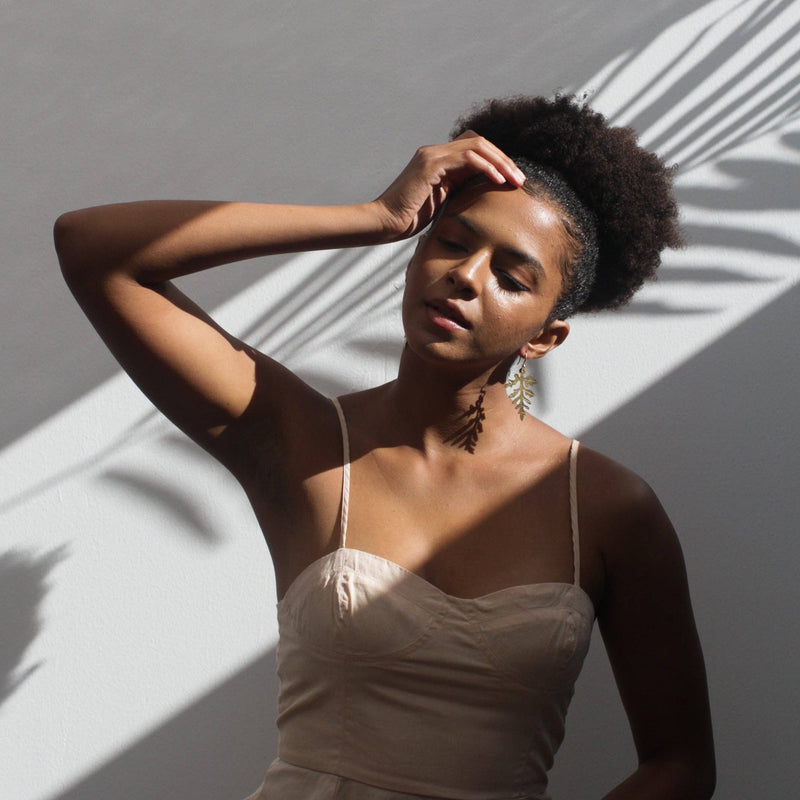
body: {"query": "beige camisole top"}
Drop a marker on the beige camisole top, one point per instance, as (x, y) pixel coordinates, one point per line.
(391, 689)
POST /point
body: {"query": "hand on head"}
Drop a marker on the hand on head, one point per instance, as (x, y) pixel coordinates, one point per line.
(419, 192)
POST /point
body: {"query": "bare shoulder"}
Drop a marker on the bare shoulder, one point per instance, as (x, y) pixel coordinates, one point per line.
(627, 535)
(611, 494)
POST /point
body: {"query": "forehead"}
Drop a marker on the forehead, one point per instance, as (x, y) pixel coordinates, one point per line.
(509, 218)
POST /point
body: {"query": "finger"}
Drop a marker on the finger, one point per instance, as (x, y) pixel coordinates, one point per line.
(503, 164)
(497, 173)
(478, 163)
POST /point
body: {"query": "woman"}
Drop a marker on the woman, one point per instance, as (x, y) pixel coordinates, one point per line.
(440, 555)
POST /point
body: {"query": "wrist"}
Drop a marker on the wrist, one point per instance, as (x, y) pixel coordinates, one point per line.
(387, 226)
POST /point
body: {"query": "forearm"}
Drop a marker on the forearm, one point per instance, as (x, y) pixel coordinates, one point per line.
(156, 241)
(153, 242)
(668, 779)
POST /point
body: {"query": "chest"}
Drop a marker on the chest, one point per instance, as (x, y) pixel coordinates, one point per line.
(468, 531)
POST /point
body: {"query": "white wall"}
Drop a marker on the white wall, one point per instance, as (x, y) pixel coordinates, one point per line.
(136, 596)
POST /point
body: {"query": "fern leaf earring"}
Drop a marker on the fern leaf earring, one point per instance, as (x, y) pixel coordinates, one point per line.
(519, 387)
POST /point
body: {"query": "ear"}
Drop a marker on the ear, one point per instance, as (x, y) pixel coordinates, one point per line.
(548, 338)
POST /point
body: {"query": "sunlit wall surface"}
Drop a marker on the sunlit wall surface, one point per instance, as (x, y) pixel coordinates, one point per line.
(136, 594)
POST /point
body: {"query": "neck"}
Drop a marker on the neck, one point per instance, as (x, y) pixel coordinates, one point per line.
(451, 410)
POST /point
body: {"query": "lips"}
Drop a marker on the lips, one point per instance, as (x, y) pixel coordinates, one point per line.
(449, 310)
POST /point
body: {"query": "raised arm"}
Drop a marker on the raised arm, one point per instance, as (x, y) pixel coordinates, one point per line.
(649, 632)
(119, 260)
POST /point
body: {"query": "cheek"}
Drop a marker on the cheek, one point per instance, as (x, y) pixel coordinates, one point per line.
(502, 324)
(421, 274)
(515, 322)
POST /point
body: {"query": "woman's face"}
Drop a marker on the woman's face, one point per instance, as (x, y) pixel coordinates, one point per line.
(485, 278)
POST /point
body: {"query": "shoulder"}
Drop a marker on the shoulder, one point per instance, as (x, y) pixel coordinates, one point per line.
(624, 523)
(365, 414)
(610, 493)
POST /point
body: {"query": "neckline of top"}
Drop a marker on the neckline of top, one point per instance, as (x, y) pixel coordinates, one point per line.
(573, 495)
(432, 587)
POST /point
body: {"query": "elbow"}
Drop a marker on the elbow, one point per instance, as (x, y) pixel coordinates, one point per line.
(688, 772)
(65, 230)
(694, 776)
(79, 247)
(700, 780)
(66, 238)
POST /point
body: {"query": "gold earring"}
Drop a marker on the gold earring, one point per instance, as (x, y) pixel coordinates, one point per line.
(519, 387)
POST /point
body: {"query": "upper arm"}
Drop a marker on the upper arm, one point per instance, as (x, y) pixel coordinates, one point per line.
(649, 631)
(197, 374)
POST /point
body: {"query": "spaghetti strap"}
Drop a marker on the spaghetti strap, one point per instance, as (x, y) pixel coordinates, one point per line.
(573, 511)
(345, 472)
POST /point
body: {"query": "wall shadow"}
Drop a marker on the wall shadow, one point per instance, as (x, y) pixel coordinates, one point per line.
(718, 440)
(219, 747)
(176, 502)
(24, 583)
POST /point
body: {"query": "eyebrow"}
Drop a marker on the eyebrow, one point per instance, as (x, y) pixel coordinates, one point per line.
(525, 259)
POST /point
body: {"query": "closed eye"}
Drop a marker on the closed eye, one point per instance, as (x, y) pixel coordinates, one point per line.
(510, 283)
(449, 244)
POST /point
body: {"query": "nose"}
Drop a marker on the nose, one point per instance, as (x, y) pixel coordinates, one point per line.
(466, 274)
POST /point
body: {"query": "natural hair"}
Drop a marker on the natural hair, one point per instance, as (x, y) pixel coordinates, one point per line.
(615, 198)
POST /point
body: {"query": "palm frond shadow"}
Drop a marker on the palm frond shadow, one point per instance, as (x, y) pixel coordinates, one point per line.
(23, 586)
(728, 95)
(718, 275)
(176, 440)
(131, 435)
(383, 348)
(765, 117)
(332, 303)
(791, 140)
(655, 308)
(718, 117)
(651, 117)
(174, 500)
(762, 186)
(741, 239)
(298, 298)
(322, 305)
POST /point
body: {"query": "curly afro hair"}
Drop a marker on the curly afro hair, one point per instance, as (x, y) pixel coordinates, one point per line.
(615, 198)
